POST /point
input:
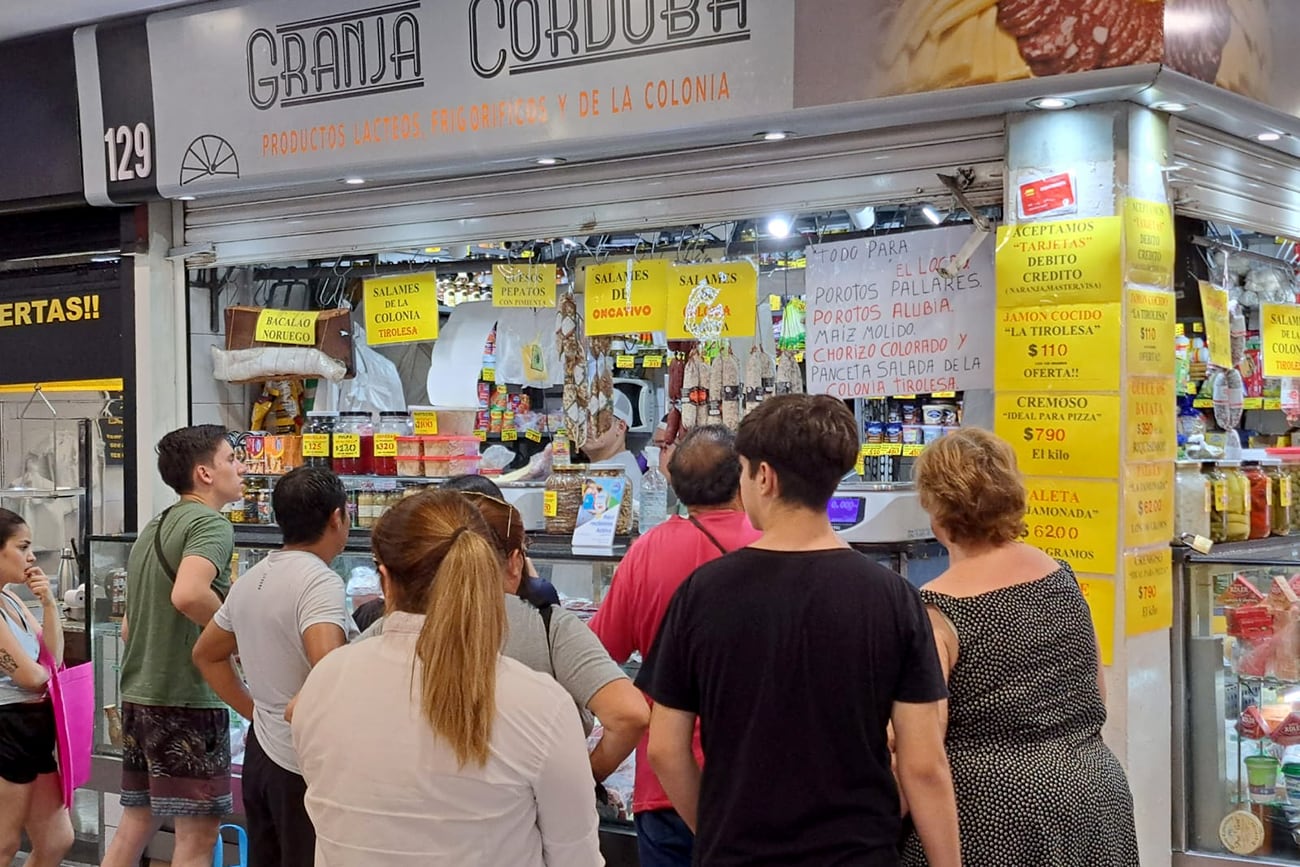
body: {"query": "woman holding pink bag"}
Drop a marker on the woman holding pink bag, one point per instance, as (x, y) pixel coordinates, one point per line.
(30, 793)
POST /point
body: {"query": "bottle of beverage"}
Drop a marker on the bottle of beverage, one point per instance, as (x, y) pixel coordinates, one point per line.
(654, 493)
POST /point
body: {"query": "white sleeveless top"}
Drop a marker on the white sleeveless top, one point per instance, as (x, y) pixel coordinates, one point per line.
(28, 641)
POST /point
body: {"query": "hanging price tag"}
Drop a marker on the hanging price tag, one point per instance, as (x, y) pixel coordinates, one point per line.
(625, 362)
(652, 361)
(509, 436)
(480, 435)
(533, 435)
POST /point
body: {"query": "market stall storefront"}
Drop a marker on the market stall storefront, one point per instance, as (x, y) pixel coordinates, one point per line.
(1023, 262)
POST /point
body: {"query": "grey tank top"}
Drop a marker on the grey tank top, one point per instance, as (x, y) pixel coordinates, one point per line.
(11, 692)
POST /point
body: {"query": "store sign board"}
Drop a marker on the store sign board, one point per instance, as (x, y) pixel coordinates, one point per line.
(1148, 591)
(1150, 419)
(626, 297)
(899, 314)
(1148, 504)
(293, 327)
(401, 309)
(1148, 243)
(1218, 336)
(315, 90)
(518, 285)
(1064, 347)
(45, 332)
(1061, 262)
(1074, 520)
(1061, 434)
(1280, 339)
(706, 296)
(1149, 343)
(1099, 593)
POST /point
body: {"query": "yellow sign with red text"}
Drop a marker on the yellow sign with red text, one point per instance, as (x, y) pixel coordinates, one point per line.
(1066, 347)
(1148, 243)
(1061, 434)
(1073, 520)
(626, 297)
(1150, 343)
(710, 296)
(1063, 262)
(1151, 433)
(1148, 504)
(1280, 339)
(401, 309)
(1148, 591)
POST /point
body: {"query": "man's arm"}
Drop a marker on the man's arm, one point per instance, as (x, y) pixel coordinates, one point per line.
(321, 638)
(624, 715)
(673, 760)
(925, 779)
(213, 657)
(192, 593)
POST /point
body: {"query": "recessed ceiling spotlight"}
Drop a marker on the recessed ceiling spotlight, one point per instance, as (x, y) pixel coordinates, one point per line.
(1052, 103)
(354, 182)
(1171, 107)
(773, 135)
(1268, 136)
(184, 198)
(778, 227)
(549, 161)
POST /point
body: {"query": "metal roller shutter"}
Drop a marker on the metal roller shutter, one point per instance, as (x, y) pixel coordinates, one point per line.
(1219, 177)
(717, 183)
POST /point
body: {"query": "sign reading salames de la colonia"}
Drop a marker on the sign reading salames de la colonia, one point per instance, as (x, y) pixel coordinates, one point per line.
(240, 96)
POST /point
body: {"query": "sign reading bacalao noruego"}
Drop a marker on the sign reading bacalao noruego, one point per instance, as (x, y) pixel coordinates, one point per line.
(249, 93)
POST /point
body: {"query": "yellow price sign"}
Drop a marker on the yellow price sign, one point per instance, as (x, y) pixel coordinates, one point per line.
(480, 435)
(1064, 347)
(533, 436)
(1214, 307)
(347, 445)
(1252, 403)
(912, 450)
(1151, 433)
(725, 293)
(426, 422)
(628, 297)
(1148, 243)
(943, 394)
(1148, 504)
(1149, 349)
(550, 504)
(652, 361)
(1061, 434)
(385, 445)
(509, 436)
(488, 374)
(515, 285)
(1099, 593)
(1280, 339)
(315, 445)
(1073, 520)
(1062, 262)
(625, 362)
(292, 327)
(401, 309)
(1148, 591)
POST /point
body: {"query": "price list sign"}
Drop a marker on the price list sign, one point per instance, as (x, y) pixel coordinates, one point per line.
(1063, 262)
(1148, 591)
(1074, 521)
(1148, 243)
(1148, 504)
(1066, 347)
(1150, 344)
(1152, 425)
(1066, 434)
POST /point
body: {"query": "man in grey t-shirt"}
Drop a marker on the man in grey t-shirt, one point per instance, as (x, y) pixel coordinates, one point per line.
(282, 617)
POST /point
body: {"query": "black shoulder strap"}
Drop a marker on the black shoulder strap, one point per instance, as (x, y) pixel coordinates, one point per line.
(696, 521)
(545, 611)
(157, 544)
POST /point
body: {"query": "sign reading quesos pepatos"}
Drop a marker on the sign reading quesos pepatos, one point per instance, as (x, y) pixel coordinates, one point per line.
(325, 89)
(898, 314)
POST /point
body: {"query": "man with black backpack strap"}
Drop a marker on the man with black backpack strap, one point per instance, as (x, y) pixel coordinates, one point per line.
(176, 736)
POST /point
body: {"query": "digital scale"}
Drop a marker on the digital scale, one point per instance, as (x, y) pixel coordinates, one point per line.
(874, 513)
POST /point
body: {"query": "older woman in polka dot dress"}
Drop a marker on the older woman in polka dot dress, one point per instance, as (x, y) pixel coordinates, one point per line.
(1036, 786)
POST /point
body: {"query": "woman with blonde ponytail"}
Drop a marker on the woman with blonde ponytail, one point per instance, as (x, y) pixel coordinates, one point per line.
(425, 746)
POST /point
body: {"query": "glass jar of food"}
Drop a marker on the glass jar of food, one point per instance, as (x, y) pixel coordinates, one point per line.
(1280, 508)
(1218, 501)
(1261, 500)
(316, 434)
(352, 434)
(1238, 502)
(391, 426)
(625, 512)
(562, 498)
(1192, 500)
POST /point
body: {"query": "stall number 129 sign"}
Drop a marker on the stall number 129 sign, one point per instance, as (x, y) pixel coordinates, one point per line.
(129, 151)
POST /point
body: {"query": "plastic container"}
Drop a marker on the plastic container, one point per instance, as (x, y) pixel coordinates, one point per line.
(931, 432)
(316, 439)
(391, 426)
(353, 434)
(1290, 458)
(463, 465)
(1193, 494)
(562, 498)
(450, 446)
(654, 491)
(912, 434)
(410, 468)
(933, 413)
(626, 514)
(456, 421)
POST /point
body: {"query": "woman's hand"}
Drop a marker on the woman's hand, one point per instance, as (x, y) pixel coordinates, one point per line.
(39, 583)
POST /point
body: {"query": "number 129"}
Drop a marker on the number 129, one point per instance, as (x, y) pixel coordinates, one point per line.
(125, 143)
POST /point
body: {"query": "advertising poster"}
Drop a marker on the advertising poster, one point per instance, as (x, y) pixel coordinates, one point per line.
(1061, 262)
(625, 297)
(598, 512)
(1065, 347)
(713, 298)
(401, 309)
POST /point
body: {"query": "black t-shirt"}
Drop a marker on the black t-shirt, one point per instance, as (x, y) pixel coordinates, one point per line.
(793, 661)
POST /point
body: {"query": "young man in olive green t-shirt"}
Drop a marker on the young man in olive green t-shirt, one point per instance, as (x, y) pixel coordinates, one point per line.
(176, 737)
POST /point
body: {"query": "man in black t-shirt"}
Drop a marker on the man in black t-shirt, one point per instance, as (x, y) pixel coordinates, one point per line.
(796, 653)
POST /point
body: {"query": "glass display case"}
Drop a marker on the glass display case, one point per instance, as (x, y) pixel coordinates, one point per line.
(1237, 704)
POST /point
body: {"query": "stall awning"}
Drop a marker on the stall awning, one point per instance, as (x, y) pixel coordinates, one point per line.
(1217, 176)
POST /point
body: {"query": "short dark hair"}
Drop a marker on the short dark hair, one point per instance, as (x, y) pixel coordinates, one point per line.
(367, 613)
(704, 467)
(473, 483)
(180, 451)
(304, 499)
(811, 441)
(9, 524)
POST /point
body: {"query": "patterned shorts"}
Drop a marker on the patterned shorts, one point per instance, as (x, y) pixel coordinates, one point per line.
(176, 760)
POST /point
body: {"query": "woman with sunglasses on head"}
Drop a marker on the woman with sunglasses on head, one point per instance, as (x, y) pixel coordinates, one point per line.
(426, 746)
(552, 640)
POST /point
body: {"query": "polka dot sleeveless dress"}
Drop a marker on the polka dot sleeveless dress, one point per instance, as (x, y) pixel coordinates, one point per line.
(1036, 786)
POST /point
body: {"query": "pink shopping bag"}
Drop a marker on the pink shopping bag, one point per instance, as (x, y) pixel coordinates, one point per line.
(72, 694)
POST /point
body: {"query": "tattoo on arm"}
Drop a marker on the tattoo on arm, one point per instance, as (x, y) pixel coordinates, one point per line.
(7, 663)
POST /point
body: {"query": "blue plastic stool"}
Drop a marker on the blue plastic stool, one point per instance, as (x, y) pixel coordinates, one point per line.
(219, 856)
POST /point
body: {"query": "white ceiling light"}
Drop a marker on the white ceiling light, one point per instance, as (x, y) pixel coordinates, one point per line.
(184, 198)
(1171, 107)
(354, 182)
(863, 218)
(1268, 136)
(778, 227)
(931, 213)
(548, 161)
(1052, 103)
(773, 135)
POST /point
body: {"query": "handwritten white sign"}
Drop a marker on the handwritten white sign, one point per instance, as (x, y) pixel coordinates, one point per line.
(884, 319)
